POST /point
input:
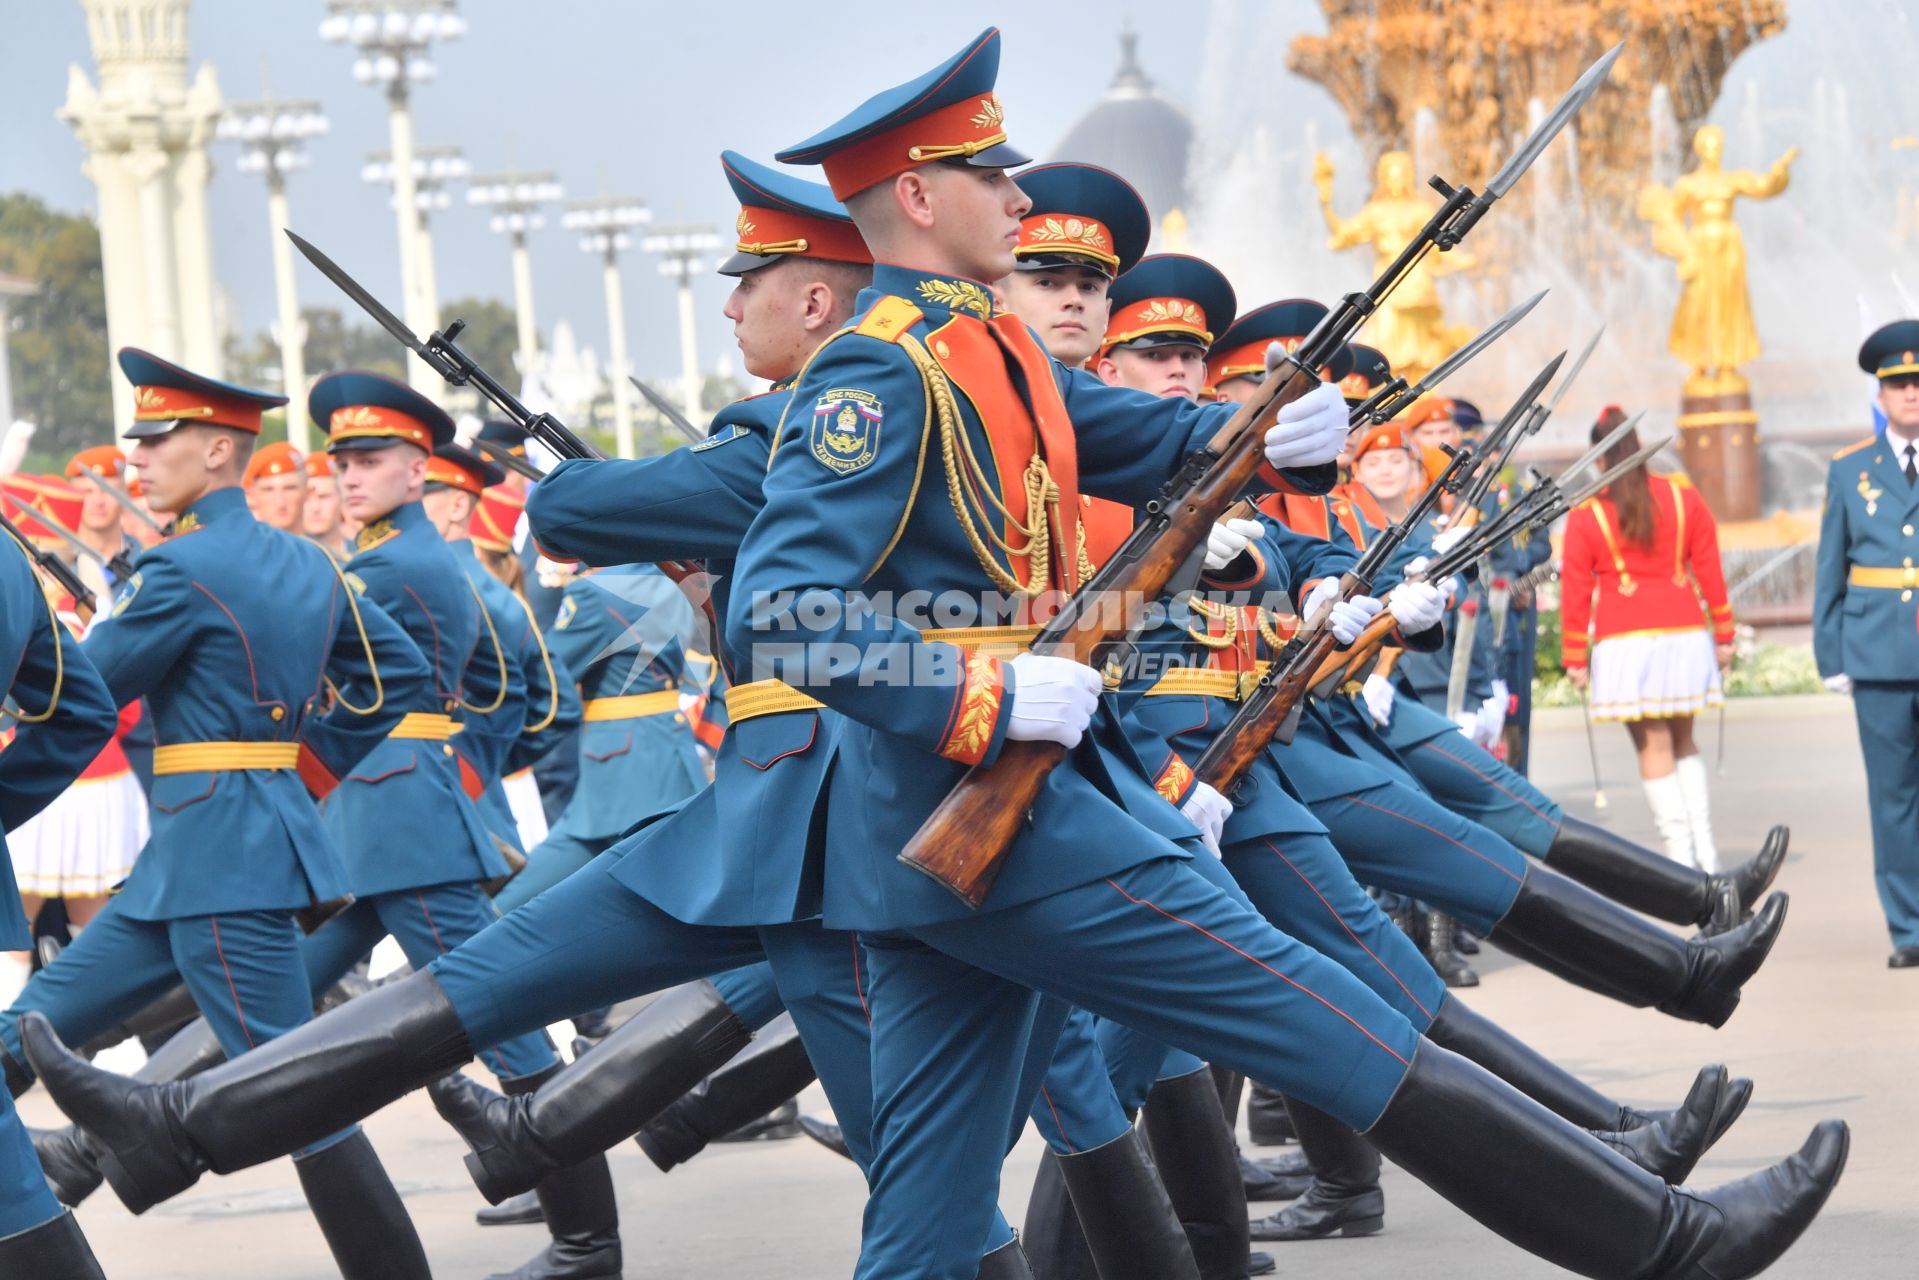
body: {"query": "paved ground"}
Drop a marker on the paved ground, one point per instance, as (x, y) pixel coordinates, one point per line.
(1825, 1030)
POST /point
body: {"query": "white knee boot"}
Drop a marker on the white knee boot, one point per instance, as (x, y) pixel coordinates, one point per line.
(1693, 787)
(1668, 802)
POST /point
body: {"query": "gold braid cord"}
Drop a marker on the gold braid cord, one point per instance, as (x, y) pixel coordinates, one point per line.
(59, 652)
(366, 646)
(546, 659)
(971, 491)
(1207, 638)
(499, 657)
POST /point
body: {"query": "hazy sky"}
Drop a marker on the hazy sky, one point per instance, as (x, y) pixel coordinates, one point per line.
(617, 96)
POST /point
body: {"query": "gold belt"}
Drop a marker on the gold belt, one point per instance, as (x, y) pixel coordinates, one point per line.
(1209, 681)
(632, 706)
(1889, 579)
(994, 642)
(426, 726)
(224, 757)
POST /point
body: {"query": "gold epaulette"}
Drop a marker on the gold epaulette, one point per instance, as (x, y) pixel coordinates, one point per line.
(889, 319)
(1855, 447)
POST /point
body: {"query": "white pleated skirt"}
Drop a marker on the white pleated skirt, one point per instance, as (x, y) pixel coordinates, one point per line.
(1654, 674)
(83, 843)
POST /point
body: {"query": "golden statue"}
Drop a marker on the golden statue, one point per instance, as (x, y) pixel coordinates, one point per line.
(1712, 331)
(1409, 327)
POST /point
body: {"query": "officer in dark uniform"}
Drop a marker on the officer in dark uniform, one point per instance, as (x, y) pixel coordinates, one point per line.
(1865, 633)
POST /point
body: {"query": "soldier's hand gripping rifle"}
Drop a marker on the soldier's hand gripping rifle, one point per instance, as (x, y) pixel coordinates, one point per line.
(1271, 708)
(962, 843)
(442, 354)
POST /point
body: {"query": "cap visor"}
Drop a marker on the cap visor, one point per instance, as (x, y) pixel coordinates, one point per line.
(1054, 261)
(1003, 155)
(741, 262)
(1147, 341)
(150, 428)
(364, 444)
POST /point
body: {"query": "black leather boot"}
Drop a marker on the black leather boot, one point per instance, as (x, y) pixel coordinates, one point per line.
(1564, 1196)
(604, 1097)
(1443, 954)
(289, 1093)
(772, 1068)
(1572, 932)
(827, 1134)
(1264, 1180)
(1193, 1151)
(1345, 1197)
(1637, 877)
(1007, 1262)
(514, 1211)
(18, 1074)
(70, 1157)
(581, 1215)
(360, 1214)
(54, 1250)
(1670, 1150)
(154, 1024)
(1105, 1214)
(1464, 1032)
(1268, 1123)
(777, 1125)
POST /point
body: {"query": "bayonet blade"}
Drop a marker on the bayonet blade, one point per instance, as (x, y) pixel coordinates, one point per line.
(1530, 150)
(1637, 459)
(664, 407)
(127, 504)
(1485, 338)
(510, 460)
(72, 540)
(1573, 373)
(1598, 451)
(365, 301)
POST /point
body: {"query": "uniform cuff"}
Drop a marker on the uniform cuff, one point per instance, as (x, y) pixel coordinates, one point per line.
(974, 726)
(1175, 780)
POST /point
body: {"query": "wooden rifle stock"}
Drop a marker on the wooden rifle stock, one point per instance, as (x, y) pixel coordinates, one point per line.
(965, 839)
(1228, 757)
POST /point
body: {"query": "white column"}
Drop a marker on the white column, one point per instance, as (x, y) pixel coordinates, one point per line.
(399, 118)
(429, 276)
(149, 168)
(119, 265)
(200, 347)
(6, 374)
(523, 305)
(689, 353)
(293, 371)
(616, 354)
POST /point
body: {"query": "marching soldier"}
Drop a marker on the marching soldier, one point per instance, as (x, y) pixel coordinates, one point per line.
(237, 846)
(1864, 619)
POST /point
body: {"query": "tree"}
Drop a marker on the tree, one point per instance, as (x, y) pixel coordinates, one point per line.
(58, 336)
(491, 336)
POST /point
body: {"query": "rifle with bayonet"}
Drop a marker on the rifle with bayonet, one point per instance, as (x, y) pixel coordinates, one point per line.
(55, 569)
(117, 564)
(1394, 397)
(119, 496)
(963, 842)
(664, 407)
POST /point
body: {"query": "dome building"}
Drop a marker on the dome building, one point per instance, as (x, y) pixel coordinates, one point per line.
(1140, 135)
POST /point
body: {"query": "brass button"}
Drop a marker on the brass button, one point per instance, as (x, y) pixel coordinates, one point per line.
(449, 705)
(278, 713)
(1905, 597)
(447, 750)
(941, 350)
(1907, 531)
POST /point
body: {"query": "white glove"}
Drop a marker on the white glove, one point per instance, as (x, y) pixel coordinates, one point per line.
(1468, 722)
(1208, 810)
(1379, 693)
(1444, 542)
(1488, 723)
(689, 703)
(1053, 699)
(1228, 540)
(1310, 430)
(1349, 616)
(1841, 683)
(1416, 606)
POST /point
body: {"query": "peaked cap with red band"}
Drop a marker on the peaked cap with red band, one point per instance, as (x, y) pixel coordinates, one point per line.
(950, 113)
(495, 518)
(785, 216)
(1169, 299)
(33, 502)
(1082, 215)
(165, 395)
(276, 459)
(1241, 350)
(462, 469)
(363, 410)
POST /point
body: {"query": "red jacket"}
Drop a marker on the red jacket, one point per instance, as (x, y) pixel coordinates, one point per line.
(1645, 590)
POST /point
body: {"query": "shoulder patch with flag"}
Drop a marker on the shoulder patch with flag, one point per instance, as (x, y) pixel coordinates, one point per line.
(845, 432)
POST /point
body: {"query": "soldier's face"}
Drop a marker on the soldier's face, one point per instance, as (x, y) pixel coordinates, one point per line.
(1161, 371)
(1386, 473)
(1238, 390)
(178, 468)
(98, 512)
(975, 217)
(374, 482)
(276, 500)
(1899, 401)
(1066, 306)
(320, 514)
(768, 311)
(1431, 435)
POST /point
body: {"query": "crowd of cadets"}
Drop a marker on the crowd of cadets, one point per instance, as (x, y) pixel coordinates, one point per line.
(395, 692)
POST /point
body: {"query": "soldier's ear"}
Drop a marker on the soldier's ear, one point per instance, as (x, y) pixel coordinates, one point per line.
(914, 197)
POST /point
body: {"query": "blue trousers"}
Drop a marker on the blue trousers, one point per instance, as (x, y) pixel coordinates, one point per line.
(1078, 1108)
(1400, 839)
(1159, 948)
(1888, 716)
(1470, 781)
(25, 1200)
(753, 994)
(427, 923)
(589, 942)
(552, 860)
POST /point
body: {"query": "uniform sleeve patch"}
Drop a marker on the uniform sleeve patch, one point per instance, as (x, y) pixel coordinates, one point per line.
(845, 431)
(355, 581)
(715, 441)
(568, 607)
(138, 580)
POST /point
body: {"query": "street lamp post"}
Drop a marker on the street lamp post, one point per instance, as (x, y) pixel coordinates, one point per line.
(434, 170)
(679, 248)
(393, 38)
(516, 199)
(603, 224)
(272, 135)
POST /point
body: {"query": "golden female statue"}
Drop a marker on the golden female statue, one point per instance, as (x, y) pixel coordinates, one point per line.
(1409, 327)
(1712, 331)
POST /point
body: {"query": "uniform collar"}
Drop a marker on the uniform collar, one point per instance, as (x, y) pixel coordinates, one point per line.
(402, 519)
(221, 504)
(462, 547)
(938, 296)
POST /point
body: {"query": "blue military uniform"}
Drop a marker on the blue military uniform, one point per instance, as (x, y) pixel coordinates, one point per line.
(1866, 627)
(58, 693)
